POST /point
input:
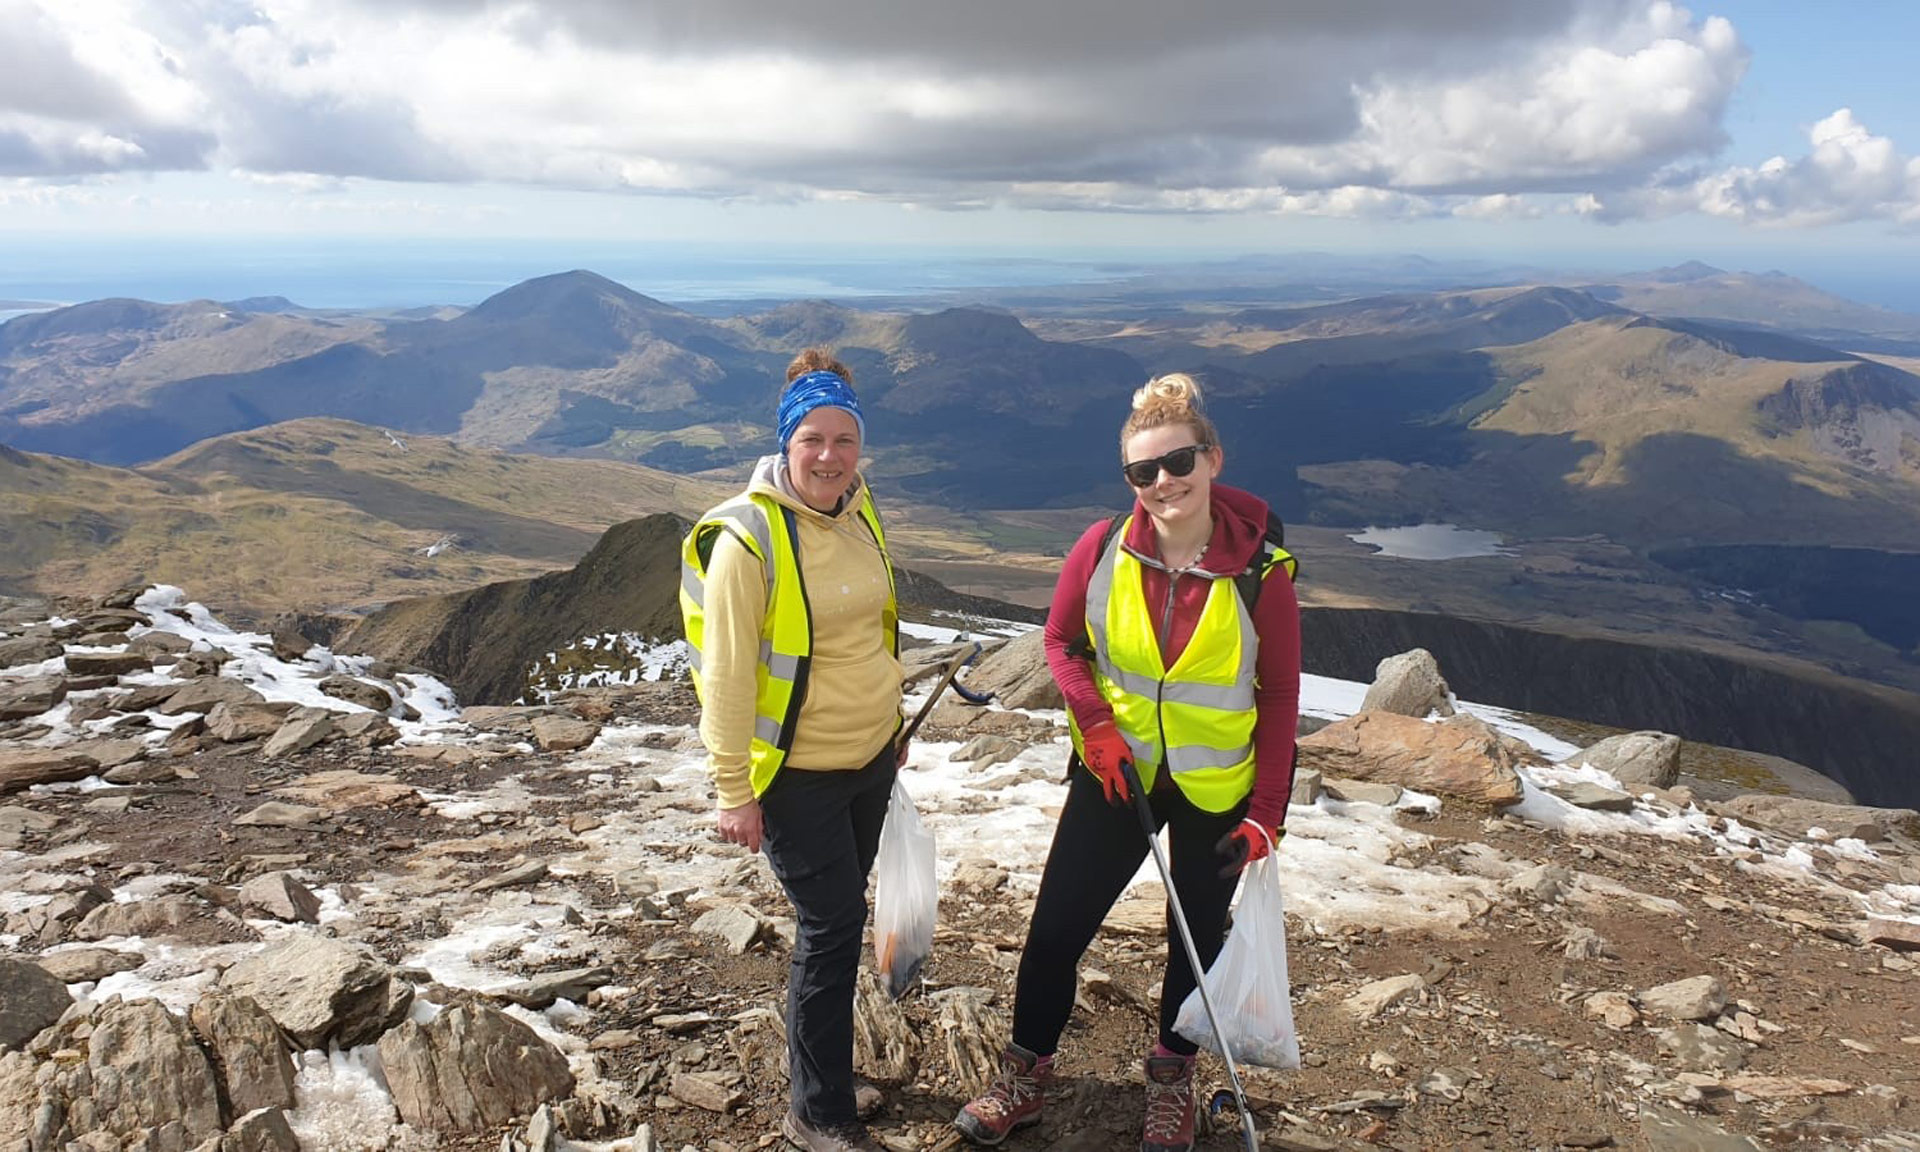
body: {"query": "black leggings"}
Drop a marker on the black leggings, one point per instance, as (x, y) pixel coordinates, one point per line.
(1097, 849)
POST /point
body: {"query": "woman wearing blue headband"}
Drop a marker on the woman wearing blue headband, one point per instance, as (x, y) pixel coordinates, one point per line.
(789, 607)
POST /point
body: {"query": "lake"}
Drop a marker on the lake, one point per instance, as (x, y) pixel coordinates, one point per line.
(1432, 542)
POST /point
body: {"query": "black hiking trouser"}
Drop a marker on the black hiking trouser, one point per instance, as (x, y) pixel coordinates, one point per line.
(821, 831)
(1097, 849)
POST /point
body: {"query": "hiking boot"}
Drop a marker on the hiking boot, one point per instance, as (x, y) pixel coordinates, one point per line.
(1012, 1101)
(1169, 1121)
(849, 1137)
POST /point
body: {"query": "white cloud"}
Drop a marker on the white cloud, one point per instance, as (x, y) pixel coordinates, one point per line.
(1373, 108)
(1849, 175)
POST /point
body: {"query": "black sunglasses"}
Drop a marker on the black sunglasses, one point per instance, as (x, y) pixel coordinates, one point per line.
(1179, 462)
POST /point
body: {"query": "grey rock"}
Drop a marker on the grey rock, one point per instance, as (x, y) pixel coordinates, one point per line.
(319, 990)
(541, 991)
(1541, 884)
(168, 916)
(1650, 759)
(89, 965)
(469, 1069)
(282, 897)
(1016, 673)
(1584, 794)
(304, 728)
(18, 650)
(255, 1064)
(289, 645)
(986, 751)
(513, 877)
(1361, 791)
(1695, 998)
(279, 814)
(157, 644)
(354, 690)
(31, 1000)
(20, 699)
(202, 694)
(1306, 787)
(106, 663)
(1668, 1130)
(1409, 684)
(232, 723)
(110, 753)
(141, 772)
(109, 639)
(144, 1082)
(1700, 1048)
(736, 924)
(261, 1130)
(370, 728)
(22, 768)
(563, 733)
(1795, 817)
(19, 825)
(1376, 997)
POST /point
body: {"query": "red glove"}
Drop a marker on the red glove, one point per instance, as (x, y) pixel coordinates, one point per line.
(1245, 844)
(1103, 750)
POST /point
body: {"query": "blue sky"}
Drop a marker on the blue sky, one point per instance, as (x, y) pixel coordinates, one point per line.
(1611, 132)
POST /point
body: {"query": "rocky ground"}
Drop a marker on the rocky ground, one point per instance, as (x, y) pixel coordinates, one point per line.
(522, 913)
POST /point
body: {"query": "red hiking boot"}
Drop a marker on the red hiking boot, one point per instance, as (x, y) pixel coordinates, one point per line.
(1012, 1101)
(1169, 1121)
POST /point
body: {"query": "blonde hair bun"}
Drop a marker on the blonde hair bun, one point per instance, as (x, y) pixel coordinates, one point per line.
(1174, 390)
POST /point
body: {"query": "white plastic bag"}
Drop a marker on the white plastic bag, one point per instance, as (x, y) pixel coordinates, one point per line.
(1248, 981)
(905, 894)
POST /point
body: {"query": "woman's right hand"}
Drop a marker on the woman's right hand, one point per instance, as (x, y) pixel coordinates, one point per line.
(742, 825)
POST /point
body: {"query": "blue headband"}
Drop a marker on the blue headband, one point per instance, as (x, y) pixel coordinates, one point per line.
(817, 390)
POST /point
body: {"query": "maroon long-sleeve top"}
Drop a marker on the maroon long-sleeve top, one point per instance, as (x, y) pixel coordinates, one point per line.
(1239, 524)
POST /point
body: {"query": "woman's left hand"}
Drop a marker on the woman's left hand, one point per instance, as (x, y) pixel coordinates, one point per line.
(1246, 843)
(742, 825)
(902, 752)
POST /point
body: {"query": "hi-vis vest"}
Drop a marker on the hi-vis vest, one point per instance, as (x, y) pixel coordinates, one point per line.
(786, 632)
(1196, 717)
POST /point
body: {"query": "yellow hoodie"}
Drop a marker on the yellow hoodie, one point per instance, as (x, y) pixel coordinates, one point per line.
(852, 706)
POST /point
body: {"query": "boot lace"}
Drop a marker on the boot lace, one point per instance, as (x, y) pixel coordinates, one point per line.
(1169, 1110)
(1010, 1091)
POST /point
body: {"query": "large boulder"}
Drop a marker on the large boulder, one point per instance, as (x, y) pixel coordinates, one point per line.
(1409, 684)
(1461, 757)
(1636, 759)
(202, 694)
(1795, 817)
(320, 990)
(256, 1067)
(470, 1069)
(17, 650)
(107, 663)
(31, 998)
(20, 699)
(140, 1081)
(354, 690)
(22, 768)
(1016, 673)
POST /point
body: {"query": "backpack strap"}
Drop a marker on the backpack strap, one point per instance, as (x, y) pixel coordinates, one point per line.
(1272, 551)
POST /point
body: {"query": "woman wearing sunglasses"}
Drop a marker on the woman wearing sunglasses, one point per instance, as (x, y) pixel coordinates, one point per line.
(1166, 665)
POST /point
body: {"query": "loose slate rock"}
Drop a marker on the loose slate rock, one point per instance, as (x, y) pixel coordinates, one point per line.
(22, 768)
(737, 924)
(31, 999)
(469, 1069)
(563, 733)
(1695, 998)
(84, 965)
(282, 897)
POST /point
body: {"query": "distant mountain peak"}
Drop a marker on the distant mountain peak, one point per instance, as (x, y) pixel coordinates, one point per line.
(1683, 273)
(544, 295)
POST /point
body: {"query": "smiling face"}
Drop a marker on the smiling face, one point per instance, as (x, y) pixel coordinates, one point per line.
(822, 455)
(1175, 500)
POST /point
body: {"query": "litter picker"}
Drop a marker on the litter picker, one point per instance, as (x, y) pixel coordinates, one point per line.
(1145, 812)
(960, 660)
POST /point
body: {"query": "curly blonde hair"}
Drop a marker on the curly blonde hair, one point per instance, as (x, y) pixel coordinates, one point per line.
(818, 360)
(1170, 399)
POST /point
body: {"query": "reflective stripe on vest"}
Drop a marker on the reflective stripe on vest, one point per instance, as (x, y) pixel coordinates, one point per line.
(1196, 718)
(786, 629)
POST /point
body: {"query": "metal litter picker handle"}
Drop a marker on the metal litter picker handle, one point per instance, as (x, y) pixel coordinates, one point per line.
(1145, 812)
(960, 660)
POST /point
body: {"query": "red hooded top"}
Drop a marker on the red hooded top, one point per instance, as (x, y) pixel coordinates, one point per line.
(1239, 526)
